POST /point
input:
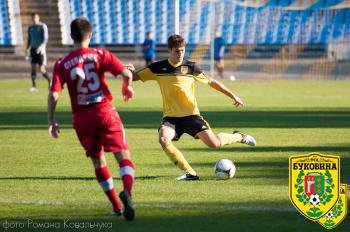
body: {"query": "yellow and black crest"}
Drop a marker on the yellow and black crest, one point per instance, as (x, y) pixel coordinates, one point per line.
(338, 212)
(314, 183)
(184, 70)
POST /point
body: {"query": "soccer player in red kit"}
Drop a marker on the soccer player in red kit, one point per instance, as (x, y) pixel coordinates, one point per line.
(95, 120)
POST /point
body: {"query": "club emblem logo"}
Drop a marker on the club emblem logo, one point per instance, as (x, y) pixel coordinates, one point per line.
(184, 69)
(314, 183)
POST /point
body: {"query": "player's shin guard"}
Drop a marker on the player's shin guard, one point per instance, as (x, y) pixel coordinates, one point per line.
(127, 174)
(105, 180)
(226, 139)
(178, 159)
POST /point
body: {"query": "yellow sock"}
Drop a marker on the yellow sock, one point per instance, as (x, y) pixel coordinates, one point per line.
(226, 138)
(178, 159)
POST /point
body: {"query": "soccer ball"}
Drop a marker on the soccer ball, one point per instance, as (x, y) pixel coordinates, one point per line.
(225, 169)
(232, 78)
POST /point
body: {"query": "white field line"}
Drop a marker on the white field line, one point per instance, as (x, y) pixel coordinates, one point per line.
(157, 205)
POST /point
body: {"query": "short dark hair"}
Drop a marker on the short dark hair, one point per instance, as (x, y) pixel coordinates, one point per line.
(175, 41)
(80, 29)
(35, 13)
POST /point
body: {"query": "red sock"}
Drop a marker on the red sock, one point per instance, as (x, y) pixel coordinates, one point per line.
(105, 180)
(127, 174)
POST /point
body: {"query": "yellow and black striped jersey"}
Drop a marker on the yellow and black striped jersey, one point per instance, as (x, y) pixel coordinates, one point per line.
(176, 82)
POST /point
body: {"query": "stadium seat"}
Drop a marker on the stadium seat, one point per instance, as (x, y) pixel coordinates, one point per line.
(5, 34)
(271, 23)
(325, 4)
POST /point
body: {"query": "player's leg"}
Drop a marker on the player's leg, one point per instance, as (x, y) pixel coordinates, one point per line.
(33, 77)
(42, 60)
(153, 58)
(216, 65)
(44, 73)
(86, 124)
(221, 62)
(33, 64)
(212, 140)
(105, 180)
(127, 174)
(113, 138)
(246, 139)
(220, 68)
(209, 138)
(166, 134)
(199, 128)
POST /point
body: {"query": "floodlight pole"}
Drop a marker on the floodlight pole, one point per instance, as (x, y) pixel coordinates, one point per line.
(176, 16)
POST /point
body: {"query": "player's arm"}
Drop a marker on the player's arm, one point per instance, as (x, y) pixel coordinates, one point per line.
(127, 90)
(46, 34)
(135, 77)
(42, 46)
(222, 50)
(52, 100)
(144, 74)
(131, 68)
(113, 65)
(223, 89)
(201, 77)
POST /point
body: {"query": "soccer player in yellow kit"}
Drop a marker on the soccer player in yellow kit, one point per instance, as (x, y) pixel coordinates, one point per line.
(176, 78)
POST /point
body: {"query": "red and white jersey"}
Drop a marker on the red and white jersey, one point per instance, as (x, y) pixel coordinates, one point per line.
(83, 71)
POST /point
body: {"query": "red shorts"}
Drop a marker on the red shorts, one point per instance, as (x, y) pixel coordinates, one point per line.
(100, 129)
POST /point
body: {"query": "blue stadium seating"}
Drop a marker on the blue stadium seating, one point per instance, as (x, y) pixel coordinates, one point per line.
(125, 22)
(279, 3)
(5, 33)
(272, 23)
(325, 3)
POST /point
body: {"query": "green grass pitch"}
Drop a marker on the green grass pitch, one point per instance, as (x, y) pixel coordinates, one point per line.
(47, 180)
